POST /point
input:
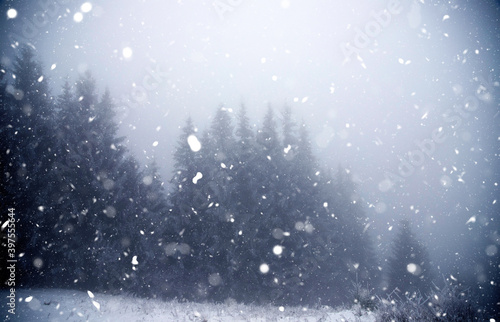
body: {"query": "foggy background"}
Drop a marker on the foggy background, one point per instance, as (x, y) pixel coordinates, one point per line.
(432, 65)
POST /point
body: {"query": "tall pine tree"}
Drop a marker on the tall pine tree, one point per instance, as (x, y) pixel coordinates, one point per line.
(409, 267)
(29, 155)
(96, 182)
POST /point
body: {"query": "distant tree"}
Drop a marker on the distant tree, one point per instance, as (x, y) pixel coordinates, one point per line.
(288, 166)
(146, 237)
(267, 163)
(297, 197)
(245, 183)
(78, 183)
(96, 183)
(280, 230)
(245, 196)
(409, 267)
(117, 230)
(201, 206)
(354, 228)
(305, 173)
(219, 216)
(288, 130)
(183, 220)
(341, 243)
(221, 135)
(269, 215)
(483, 256)
(185, 192)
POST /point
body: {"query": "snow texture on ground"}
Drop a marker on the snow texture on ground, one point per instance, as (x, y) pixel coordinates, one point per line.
(68, 305)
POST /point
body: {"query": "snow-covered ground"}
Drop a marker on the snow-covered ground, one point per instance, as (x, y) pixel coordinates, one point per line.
(67, 305)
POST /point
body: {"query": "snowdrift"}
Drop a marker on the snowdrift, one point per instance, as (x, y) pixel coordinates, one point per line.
(68, 305)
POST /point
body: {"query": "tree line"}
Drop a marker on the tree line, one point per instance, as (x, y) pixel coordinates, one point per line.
(248, 213)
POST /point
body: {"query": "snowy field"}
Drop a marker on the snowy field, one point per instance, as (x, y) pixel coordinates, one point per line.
(67, 305)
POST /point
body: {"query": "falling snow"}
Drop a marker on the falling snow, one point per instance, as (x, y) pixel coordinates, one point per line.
(346, 156)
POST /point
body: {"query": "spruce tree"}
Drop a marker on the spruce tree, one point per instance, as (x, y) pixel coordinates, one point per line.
(93, 200)
(244, 176)
(269, 216)
(183, 221)
(29, 155)
(79, 185)
(185, 194)
(288, 168)
(409, 267)
(150, 271)
(268, 159)
(342, 245)
(219, 217)
(354, 225)
(245, 204)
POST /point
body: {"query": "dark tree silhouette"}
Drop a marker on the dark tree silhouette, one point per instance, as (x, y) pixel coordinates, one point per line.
(28, 154)
(409, 267)
(248, 215)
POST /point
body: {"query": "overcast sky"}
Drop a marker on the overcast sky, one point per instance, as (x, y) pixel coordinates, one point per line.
(376, 82)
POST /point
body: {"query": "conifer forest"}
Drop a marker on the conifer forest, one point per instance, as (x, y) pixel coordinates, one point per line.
(340, 156)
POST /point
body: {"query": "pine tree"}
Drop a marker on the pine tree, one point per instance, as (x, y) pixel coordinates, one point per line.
(342, 244)
(297, 203)
(219, 217)
(305, 211)
(480, 271)
(93, 201)
(186, 194)
(354, 225)
(269, 216)
(288, 169)
(289, 128)
(409, 267)
(327, 246)
(245, 185)
(146, 236)
(268, 159)
(306, 174)
(251, 230)
(29, 154)
(78, 182)
(189, 227)
(117, 230)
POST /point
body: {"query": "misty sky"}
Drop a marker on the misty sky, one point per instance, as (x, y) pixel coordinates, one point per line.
(375, 81)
